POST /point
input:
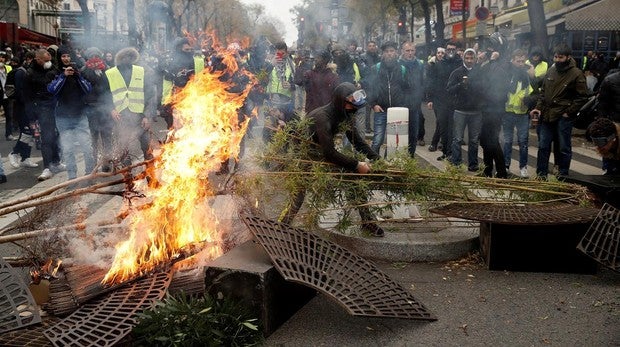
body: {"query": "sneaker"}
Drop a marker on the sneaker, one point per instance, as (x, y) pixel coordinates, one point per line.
(432, 148)
(59, 167)
(12, 138)
(440, 146)
(373, 229)
(442, 157)
(14, 160)
(524, 173)
(421, 143)
(28, 163)
(45, 175)
(2, 178)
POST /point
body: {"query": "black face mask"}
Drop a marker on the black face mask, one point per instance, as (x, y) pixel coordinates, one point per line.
(351, 112)
(562, 66)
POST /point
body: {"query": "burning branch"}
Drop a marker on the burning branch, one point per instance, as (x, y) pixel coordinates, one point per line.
(36, 233)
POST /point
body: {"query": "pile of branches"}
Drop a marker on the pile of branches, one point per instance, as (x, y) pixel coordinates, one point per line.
(95, 183)
(292, 162)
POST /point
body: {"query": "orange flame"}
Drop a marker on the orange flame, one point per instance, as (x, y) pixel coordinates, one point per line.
(207, 131)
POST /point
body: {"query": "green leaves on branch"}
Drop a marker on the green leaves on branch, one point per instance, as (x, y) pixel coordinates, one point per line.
(293, 162)
(196, 321)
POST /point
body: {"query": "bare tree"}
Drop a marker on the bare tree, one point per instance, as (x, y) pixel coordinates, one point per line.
(538, 24)
(439, 22)
(427, 22)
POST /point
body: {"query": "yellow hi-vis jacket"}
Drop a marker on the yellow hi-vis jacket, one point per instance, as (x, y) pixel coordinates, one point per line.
(515, 102)
(125, 97)
(275, 84)
(166, 90)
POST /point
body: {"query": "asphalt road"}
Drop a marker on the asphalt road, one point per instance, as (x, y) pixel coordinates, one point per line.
(474, 307)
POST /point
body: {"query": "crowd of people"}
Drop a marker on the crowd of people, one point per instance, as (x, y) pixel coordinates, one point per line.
(64, 100)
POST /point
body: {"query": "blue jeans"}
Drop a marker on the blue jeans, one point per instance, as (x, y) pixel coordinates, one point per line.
(562, 129)
(414, 125)
(378, 137)
(473, 122)
(359, 123)
(49, 138)
(72, 130)
(522, 123)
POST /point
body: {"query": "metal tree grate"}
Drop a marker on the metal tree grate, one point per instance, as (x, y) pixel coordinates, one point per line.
(106, 321)
(17, 306)
(31, 336)
(602, 240)
(519, 214)
(356, 284)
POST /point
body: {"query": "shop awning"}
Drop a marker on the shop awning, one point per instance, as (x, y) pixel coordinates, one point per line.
(599, 16)
(33, 37)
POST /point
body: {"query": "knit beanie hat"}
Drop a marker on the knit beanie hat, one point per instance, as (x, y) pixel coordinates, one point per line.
(93, 51)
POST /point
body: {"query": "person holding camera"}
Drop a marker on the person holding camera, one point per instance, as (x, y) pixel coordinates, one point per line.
(69, 89)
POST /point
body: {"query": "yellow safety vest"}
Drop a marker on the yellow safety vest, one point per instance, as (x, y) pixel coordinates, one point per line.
(540, 69)
(515, 102)
(166, 91)
(124, 97)
(356, 71)
(275, 85)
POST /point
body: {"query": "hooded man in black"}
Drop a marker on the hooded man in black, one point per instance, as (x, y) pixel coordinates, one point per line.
(327, 121)
(177, 69)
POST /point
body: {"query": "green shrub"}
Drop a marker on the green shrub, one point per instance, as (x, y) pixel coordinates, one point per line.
(196, 321)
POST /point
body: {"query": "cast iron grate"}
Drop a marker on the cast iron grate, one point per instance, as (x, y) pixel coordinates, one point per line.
(519, 214)
(31, 336)
(356, 284)
(106, 321)
(17, 306)
(602, 240)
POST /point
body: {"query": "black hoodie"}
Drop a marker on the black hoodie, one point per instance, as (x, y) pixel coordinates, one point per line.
(326, 123)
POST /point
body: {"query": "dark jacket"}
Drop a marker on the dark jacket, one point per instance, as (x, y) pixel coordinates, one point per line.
(319, 84)
(466, 96)
(37, 80)
(326, 121)
(496, 81)
(437, 76)
(100, 94)
(387, 85)
(562, 92)
(345, 68)
(609, 97)
(69, 92)
(415, 76)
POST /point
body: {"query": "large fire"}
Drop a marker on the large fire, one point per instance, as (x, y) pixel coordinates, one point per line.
(207, 131)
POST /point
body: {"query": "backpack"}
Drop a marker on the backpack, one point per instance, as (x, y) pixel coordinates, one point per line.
(403, 70)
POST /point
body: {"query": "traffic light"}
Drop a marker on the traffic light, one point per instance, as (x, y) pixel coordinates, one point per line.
(402, 24)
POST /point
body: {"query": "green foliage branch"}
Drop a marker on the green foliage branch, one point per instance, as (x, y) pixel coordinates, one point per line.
(196, 321)
(292, 162)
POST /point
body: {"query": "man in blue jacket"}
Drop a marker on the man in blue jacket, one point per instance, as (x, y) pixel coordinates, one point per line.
(68, 89)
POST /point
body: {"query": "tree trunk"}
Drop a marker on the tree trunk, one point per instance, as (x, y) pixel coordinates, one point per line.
(538, 25)
(427, 24)
(439, 23)
(87, 23)
(131, 23)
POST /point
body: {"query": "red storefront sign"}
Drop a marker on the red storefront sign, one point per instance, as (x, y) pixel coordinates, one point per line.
(456, 7)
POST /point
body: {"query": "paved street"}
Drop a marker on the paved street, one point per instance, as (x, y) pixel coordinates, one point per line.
(474, 306)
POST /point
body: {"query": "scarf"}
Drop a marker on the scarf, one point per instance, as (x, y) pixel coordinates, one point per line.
(95, 63)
